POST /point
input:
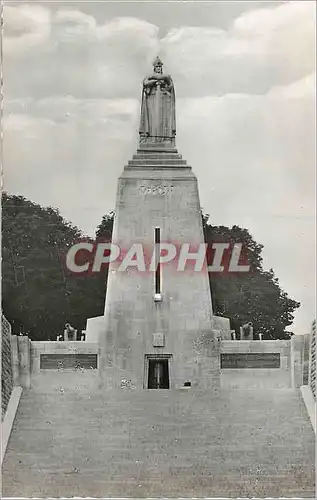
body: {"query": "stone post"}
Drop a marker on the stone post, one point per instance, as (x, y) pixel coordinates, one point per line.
(24, 361)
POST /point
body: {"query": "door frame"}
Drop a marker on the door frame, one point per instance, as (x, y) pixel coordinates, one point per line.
(147, 357)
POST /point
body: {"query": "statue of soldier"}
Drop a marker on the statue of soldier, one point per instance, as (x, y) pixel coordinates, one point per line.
(69, 333)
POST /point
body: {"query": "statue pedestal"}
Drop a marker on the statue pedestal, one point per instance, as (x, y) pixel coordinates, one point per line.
(70, 336)
(159, 190)
(168, 146)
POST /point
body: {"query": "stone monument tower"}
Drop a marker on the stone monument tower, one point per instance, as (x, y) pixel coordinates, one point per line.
(158, 330)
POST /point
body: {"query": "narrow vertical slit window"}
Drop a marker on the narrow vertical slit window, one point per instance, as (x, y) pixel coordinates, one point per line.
(158, 281)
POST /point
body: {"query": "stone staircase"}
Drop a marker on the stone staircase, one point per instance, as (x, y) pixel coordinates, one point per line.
(128, 443)
(159, 159)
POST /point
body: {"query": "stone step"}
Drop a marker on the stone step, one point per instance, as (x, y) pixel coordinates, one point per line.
(154, 161)
(167, 156)
(158, 167)
(158, 161)
(160, 444)
(157, 151)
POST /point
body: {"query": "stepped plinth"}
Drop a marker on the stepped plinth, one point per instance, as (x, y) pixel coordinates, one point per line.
(161, 159)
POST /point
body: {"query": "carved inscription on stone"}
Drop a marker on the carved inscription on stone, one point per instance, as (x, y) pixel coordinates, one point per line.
(160, 190)
(158, 340)
(250, 360)
(67, 361)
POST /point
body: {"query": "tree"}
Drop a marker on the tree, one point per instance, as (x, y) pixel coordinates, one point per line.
(39, 294)
(254, 296)
(104, 230)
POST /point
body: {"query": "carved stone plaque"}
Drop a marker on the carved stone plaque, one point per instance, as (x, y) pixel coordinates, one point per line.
(158, 340)
(160, 190)
(250, 360)
(66, 361)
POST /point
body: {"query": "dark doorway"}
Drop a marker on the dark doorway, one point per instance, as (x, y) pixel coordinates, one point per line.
(158, 374)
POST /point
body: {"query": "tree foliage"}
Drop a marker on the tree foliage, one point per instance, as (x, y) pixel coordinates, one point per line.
(253, 296)
(104, 230)
(40, 295)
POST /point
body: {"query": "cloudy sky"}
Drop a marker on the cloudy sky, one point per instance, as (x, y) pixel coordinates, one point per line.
(245, 90)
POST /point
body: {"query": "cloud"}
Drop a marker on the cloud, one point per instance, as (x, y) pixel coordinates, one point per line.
(79, 23)
(86, 59)
(262, 48)
(25, 27)
(80, 151)
(302, 88)
(271, 153)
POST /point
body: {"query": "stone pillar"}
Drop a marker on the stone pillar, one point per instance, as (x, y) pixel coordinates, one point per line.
(15, 360)
(297, 360)
(24, 361)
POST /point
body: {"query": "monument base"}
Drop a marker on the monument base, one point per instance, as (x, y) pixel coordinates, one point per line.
(154, 148)
(153, 144)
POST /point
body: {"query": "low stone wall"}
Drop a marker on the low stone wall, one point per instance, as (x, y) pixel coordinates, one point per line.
(244, 364)
(12, 381)
(60, 366)
(32, 363)
(253, 364)
(312, 361)
(63, 356)
(6, 360)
